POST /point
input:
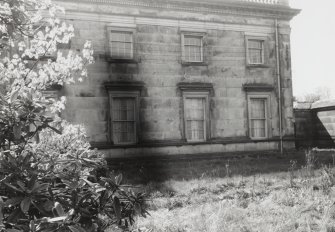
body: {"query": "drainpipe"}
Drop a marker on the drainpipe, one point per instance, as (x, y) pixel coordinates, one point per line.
(279, 88)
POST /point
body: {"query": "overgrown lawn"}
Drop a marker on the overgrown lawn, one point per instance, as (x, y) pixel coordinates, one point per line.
(301, 199)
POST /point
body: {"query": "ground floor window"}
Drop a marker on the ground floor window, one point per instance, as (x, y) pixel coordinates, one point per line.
(124, 117)
(196, 116)
(258, 116)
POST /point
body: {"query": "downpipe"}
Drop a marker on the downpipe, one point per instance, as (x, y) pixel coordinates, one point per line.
(279, 87)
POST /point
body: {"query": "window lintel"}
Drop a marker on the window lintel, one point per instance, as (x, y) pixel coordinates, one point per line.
(124, 85)
(195, 86)
(258, 87)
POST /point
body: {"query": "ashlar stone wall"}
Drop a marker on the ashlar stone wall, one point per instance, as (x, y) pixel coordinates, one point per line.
(157, 46)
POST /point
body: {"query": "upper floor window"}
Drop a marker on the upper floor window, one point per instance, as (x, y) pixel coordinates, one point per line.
(121, 44)
(255, 50)
(192, 48)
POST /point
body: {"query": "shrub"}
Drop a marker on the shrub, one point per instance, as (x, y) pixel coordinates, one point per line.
(60, 184)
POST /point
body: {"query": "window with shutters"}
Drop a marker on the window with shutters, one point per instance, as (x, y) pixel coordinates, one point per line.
(258, 116)
(196, 116)
(192, 48)
(124, 117)
(121, 44)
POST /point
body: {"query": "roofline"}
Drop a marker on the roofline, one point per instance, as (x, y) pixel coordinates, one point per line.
(271, 10)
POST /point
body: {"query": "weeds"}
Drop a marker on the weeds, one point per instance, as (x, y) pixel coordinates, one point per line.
(327, 179)
(228, 172)
(310, 163)
(257, 202)
(292, 168)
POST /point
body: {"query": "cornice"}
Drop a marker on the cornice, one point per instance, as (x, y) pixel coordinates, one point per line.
(197, 25)
(229, 7)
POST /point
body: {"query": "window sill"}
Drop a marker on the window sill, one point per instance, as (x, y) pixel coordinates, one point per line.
(123, 61)
(186, 63)
(196, 141)
(257, 66)
(259, 139)
(168, 143)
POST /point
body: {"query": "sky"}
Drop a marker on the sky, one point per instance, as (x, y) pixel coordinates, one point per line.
(313, 48)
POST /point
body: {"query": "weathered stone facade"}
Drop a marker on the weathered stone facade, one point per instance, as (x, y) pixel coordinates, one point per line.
(160, 76)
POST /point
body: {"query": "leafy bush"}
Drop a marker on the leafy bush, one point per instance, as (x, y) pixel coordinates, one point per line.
(59, 184)
(56, 183)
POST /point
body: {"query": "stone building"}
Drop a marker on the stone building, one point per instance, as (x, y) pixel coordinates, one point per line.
(183, 76)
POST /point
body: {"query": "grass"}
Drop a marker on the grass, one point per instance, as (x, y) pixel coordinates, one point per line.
(300, 199)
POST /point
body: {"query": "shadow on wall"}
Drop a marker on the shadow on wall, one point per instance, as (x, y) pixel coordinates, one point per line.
(303, 127)
(315, 124)
(324, 133)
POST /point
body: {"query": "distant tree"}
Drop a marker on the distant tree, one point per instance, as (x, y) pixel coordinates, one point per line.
(312, 97)
(320, 93)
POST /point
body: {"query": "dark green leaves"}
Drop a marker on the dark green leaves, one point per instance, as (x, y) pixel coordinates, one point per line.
(25, 204)
(53, 184)
(117, 208)
(118, 179)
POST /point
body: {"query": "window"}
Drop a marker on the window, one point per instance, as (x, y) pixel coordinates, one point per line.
(195, 116)
(258, 116)
(124, 117)
(123, 111)
(192, 50)
(123, 120)
(121, 44)
(255, 50)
